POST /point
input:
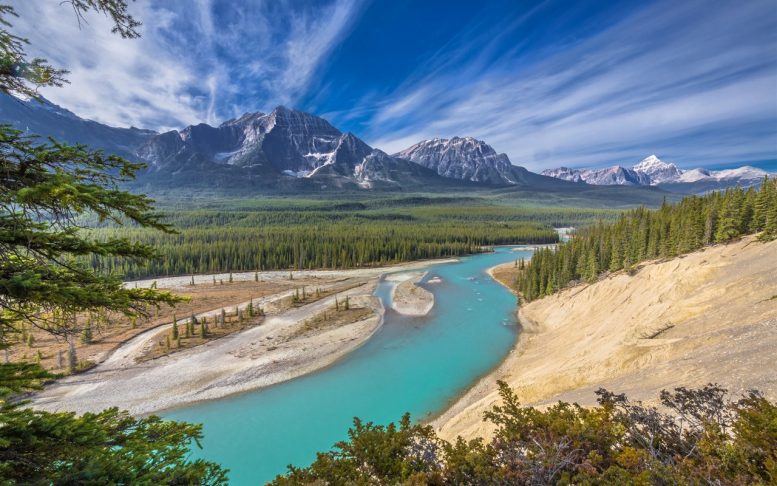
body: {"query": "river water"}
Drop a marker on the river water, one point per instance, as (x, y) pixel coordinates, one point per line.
(416, 365)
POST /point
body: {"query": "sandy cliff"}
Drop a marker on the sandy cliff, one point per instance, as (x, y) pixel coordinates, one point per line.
(710, 316)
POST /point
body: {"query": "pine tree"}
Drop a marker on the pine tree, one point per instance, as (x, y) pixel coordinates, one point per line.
(616, 257)
(174, 329)
(256, 276)
(591, 266)
(347, 303)
(86, 335)
(203, 330)
(728, 221)
(230, 277)
(72, 357)
(770, 225)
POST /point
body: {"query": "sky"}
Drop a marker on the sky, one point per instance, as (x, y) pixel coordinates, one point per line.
(551, 83)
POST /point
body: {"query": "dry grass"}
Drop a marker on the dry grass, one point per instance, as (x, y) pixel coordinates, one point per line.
(49, 349)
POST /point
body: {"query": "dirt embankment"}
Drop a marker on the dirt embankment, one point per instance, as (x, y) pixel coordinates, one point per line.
(710, 316)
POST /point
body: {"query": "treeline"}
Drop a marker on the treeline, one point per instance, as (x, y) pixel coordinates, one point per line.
(643, 234)
(222, 240)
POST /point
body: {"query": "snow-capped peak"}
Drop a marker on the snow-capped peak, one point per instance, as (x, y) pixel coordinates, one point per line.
(658, 170)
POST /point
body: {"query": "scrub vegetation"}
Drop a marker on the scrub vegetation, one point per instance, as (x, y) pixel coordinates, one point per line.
(699, 437)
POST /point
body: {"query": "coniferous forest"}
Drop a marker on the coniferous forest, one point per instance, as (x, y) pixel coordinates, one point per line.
(643, 234)
(284, 235)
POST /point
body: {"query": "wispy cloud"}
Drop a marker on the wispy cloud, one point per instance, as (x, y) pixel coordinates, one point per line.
(694, 82)
(203, 60)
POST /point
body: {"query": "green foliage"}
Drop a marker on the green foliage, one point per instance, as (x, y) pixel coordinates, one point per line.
(701, 438)
(642, 234)
(109, 447)
(86, 334)
(225, 241)
(44, 188)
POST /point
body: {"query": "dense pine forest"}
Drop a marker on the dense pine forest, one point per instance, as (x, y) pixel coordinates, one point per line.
(643, 234)
(246, 235)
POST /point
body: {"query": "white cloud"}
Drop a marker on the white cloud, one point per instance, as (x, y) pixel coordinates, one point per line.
(671, 79)
(188, 66)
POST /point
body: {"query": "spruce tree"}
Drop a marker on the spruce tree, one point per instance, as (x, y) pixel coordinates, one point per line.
(86, 335)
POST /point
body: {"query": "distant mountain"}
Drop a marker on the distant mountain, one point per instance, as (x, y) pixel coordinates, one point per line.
(49, 120)
(655, 172)
(610, 176)
(463, 158)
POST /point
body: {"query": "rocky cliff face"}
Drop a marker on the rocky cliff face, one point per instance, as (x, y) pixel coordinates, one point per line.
(463, 158)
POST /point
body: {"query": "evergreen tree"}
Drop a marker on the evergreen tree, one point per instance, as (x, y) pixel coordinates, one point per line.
(86, 335)
(641, 234)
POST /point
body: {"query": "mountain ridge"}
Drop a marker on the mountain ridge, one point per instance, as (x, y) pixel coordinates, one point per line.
(652, 171)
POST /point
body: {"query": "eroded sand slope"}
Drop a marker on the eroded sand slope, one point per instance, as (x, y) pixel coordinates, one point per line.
(710, 316)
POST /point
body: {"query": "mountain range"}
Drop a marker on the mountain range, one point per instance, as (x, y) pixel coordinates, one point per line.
(291, 151)
(652, 171)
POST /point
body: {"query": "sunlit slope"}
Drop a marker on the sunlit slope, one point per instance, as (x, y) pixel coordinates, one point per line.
(710, 316)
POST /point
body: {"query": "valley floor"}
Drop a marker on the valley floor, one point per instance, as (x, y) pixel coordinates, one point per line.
(706, 317)
(287, 343)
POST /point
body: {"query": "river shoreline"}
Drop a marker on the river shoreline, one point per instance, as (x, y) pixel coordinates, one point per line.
(278, 350)
(570, 345)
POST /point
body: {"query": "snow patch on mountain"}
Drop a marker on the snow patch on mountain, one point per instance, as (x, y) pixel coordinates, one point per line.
(464, 158)
(653, 171)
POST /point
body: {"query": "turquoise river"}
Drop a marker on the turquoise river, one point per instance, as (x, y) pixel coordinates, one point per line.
(416, 365)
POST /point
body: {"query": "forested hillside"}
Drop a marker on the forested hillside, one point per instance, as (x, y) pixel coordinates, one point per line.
(643, 234)
(296, 234)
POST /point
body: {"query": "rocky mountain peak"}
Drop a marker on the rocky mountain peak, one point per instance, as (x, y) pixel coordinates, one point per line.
(464, 158)
(657, 170)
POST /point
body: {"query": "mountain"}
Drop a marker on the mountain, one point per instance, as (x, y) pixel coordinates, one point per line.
(463, 158)
(284, 148)
(292, 152)
(49, 120)
(610, 176)
(655, 172)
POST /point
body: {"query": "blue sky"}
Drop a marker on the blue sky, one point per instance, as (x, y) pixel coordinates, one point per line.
(550, 83)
